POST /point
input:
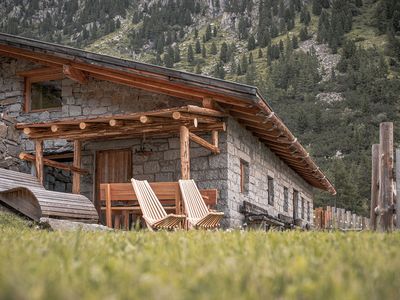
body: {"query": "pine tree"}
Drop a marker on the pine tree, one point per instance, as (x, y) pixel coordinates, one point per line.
(303, 34)
(169, 57)
(190, 54)
(198, 47)
(203, 51)
(295, 42)
(324, 28)
(251, 75)
(213, 49)
(177, 54)
(223, 56)
(251, 59)
(208, 33)
(316, 7)
(260, 53)
(118, 24)
(244, 63)
(359, 3)
(196, 33)
(251, 44)
(198, 69)
(215, 31)
(219, 70)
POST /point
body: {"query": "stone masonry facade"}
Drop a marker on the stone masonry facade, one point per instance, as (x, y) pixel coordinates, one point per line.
(220, 171)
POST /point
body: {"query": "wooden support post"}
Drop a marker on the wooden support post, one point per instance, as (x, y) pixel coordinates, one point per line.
(374, 184)
(204, 143)
(185, 150)
(398, 188)
(385, 202)
(108, 206)
(76, 177)
(39, 160)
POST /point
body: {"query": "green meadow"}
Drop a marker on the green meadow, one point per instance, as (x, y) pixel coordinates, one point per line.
(40, 264)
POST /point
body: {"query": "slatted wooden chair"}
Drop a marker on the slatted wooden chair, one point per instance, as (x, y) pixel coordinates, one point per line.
(198, 215)
(153, 212)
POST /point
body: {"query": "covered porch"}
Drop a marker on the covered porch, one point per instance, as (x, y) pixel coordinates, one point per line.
(114, 197)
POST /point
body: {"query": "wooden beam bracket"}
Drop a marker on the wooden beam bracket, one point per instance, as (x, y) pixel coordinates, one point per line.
(202, 142)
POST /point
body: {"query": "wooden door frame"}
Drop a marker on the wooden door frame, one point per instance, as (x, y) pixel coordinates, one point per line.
(96, 183)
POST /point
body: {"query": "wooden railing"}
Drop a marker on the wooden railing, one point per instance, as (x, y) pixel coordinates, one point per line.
(119, 200)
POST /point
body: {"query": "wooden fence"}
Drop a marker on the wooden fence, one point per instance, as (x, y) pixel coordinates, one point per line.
(338, 218)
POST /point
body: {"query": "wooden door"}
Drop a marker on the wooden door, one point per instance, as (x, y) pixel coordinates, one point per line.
(112, 166)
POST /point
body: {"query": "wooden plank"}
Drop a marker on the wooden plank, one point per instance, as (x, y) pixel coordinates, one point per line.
(386, 177)
(76, 177)
(374, 184)
(39, 160)
(185, 152)
(214, 138)
(203, 143)
(52, 163)
(108, 206)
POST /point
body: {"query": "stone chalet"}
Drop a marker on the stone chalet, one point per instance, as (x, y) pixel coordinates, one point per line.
(77, 119)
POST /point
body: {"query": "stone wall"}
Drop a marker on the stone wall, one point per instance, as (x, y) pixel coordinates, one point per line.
(242, 145)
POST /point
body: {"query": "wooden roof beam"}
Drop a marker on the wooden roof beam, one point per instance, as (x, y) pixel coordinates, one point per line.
(202, 142)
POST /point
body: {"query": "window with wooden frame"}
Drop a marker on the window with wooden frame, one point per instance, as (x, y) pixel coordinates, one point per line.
(295, 204)
(302, 208)
(285, 199)
(244, 177)
(308, 211)
(271, 192)
(42, 94)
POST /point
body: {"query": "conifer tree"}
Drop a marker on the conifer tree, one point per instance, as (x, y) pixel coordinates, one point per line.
(223, 56)
(295, 42)
(251, 59)
(316, 7)
(219, 70)
(190, 54)
(215, 31)
(303, 34)
(198, 47)
(251, 43)
(324, 28)
(208, 34)
(177, 54)
(203, 51)
(244, 63)
(169, 57)
(260, 53)
(198, 69)
(213, 49)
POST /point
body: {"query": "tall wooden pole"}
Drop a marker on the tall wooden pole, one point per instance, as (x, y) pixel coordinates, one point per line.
(398, 188)
(386, 177)
(185, 157)
(374, 184)
(39, 160)
(76, 177)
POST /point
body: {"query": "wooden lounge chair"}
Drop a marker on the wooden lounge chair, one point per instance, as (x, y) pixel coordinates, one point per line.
(153, 212)
(198, 215)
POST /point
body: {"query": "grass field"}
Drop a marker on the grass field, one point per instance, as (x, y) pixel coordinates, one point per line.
(36, 264)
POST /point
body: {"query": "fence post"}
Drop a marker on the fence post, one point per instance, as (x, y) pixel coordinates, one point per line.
(385, 200)
(398, 188)
(374, 184)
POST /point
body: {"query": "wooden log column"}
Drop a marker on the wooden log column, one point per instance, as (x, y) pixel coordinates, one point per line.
(39, 160)
(374, 184)
(185, 150)
(385, 202)
(76, 177)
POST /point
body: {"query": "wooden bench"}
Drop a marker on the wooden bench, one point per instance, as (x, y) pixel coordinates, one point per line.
(119, 199)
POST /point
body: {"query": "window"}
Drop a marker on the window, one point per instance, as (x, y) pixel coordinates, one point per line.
(295, 204)
(302, 207)
(285, 199)
(308, 211)
(244, 177)
(42, 95)
(270, 191)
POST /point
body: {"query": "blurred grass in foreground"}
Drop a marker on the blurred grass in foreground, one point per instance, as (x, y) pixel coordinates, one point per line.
(196, 265)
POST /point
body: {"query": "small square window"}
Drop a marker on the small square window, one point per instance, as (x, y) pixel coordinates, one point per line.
(45, 95)
(271, 192)
(285, 199)
(244, 177)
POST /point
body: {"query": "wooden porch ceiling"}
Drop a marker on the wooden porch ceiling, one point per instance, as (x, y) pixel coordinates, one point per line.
(239, 101)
